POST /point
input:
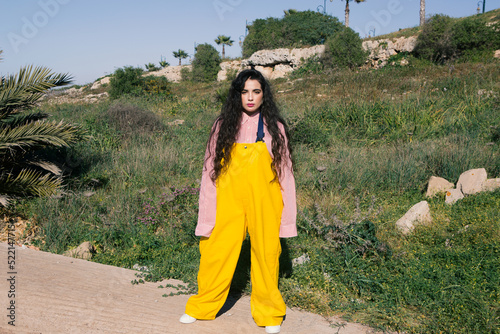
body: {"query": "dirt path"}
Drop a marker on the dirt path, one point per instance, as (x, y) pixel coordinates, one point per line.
(58, 294)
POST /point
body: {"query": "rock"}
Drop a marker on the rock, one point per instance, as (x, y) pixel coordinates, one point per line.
(320, 168)
(101, 82)
(491, 184)
(381, 50)
(437, 185)
(471, 181)
(140, 268)
(418, 214)
(74, 91)
(300, 55)
(453, 195)
(293, 57)
(301, 260)
(172, 73)
(227, 66)
(281, 71)
(266, 71)
(84, 251)
(268, 57)
(497, 54)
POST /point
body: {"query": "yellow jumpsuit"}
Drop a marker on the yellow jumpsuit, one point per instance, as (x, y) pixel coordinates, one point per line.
(246, 200)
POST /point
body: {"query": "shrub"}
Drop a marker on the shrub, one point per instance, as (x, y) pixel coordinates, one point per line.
(442, 38)
(126, 81)
(157, 85)
(130, 81)
(313, 65)
(295, 29)
(435, 42)
(345, 49)
(206, 63)
(130, 119)
(474, 33)
(186, 74)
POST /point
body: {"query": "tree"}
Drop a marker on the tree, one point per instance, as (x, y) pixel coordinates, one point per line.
(150, 67)
(294, 30)
(224, 40)
(422, 12)
(347, 10)
(27, 136)
(206, 63)
(181, 54)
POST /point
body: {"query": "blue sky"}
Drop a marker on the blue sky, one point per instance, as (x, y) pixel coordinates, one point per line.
(92, 38)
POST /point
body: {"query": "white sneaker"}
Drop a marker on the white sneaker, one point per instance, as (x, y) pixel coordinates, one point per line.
(273, 329)
(187, 319)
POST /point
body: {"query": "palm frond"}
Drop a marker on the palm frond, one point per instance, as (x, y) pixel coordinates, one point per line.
(4, 200)
(15, 120)
(23, 89)
(29, 182)
(48, 166)
(41, 134)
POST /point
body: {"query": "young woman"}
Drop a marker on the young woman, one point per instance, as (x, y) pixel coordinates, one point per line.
(247, 185)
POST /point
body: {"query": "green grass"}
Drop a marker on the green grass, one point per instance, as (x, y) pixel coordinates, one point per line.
(380, 134)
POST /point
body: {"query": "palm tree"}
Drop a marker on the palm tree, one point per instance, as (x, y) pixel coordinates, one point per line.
(347, 10)
(181, 54)
(224, 40)
(24, 134)
(422, 12)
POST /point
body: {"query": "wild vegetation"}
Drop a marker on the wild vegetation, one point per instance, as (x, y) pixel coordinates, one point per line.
(365, 143)
(29, 143)
(296, 29)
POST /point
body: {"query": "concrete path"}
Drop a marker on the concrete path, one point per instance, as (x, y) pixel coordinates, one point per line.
(58, 294)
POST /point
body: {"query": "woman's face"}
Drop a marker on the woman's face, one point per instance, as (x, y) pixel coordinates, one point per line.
(251, 96)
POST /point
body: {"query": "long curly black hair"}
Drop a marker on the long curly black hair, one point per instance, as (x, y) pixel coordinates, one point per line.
(228, 123)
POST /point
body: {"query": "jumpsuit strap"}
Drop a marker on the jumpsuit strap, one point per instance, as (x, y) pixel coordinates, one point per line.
(260, 129)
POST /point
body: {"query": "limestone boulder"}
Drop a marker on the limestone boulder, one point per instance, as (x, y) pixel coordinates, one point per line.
(99, 83)
(381, 50)
(268, 57)
(420, 213)
(300, 55)
(228, 66)
(491, 184)
(291, 57)
(437, 185)
(84, 251)
(267, 71)
(471, 181)
(172, 73)
(281, 71)
(453, 195)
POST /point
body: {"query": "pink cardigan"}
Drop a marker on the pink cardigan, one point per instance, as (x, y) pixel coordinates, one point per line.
(208, 198)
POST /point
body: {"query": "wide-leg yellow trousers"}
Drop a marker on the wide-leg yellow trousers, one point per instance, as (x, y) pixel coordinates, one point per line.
(246, 200)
